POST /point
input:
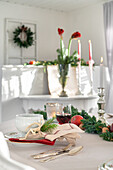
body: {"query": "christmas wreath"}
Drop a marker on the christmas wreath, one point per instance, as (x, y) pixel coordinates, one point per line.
(23, 37)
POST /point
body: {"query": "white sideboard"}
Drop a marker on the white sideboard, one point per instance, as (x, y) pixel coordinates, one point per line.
(27, 87)
(81, 102)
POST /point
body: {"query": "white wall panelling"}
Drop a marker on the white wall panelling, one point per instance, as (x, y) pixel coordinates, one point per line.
(15, 54)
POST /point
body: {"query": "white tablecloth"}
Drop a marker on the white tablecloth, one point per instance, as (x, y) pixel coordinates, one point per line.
(95, 151)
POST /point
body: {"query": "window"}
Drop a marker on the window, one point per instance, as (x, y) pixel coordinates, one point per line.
(13, 53)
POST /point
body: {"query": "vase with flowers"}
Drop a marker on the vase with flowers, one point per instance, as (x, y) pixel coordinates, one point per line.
(64, 59)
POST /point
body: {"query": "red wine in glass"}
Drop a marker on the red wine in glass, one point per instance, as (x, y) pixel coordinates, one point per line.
(63, 118)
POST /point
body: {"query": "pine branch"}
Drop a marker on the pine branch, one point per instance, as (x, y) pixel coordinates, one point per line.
(107, 136)
(48, 126)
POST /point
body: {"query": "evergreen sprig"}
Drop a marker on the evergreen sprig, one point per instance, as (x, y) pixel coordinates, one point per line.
(48, 126)
(41, 112)
(92, 125)
(83, 113)
(69, 60)
(107, 136)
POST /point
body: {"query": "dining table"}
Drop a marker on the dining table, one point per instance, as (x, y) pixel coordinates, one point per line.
(95, 151)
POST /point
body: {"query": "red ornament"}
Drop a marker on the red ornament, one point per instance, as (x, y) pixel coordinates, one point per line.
(76, 35)
(60, 31)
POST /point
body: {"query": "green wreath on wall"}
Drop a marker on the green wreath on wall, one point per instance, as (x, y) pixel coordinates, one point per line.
(23, 37)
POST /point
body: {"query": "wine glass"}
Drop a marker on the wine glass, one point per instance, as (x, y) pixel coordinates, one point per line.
(65, 115)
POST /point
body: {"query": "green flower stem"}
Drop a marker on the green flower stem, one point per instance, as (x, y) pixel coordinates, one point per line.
(61, 47)
(60, 43)
(69, 45)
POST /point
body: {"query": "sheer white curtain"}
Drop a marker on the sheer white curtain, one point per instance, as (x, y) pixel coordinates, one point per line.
(108, 24)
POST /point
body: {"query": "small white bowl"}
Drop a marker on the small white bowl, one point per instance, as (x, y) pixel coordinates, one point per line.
(24, 120)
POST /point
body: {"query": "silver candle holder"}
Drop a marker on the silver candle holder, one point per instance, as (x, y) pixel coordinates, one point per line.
(101, 105)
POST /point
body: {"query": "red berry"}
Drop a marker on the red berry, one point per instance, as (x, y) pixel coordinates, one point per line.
(32, 62)
(76, 120)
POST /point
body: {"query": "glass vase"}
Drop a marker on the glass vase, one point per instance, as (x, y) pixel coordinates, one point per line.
(63, 75)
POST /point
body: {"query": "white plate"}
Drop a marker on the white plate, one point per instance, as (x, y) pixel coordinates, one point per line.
(109, 165)
(18, 135)
(110, 114)
(13, 135)
(101, 167)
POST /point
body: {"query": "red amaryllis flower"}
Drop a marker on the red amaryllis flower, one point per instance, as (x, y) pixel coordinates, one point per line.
(60, 31)
(76, 35)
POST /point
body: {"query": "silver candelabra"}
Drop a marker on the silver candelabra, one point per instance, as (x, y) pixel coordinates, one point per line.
(101, 105)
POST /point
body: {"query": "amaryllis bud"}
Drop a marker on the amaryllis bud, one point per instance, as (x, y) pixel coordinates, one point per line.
(60, 31)
(76, 35)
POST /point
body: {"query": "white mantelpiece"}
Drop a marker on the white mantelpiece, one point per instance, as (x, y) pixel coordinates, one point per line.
(27, 81)
(23, 80)
(80, 102)
(19, 80)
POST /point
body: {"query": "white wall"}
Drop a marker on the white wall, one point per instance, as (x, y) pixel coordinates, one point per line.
(0, 92)
(89, 21)
(48, 21)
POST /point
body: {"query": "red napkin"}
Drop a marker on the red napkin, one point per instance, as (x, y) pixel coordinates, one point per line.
(42, 141)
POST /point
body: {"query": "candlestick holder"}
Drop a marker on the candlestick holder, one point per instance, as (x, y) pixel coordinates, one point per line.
(101, 105)
(52, 109)
(79, 78)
